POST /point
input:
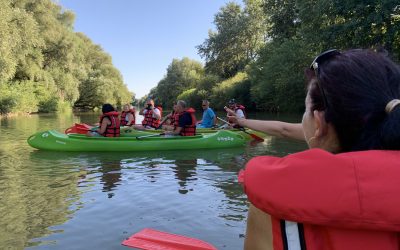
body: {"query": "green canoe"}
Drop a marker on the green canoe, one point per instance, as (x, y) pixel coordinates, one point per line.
(129, 132)
(53, 140)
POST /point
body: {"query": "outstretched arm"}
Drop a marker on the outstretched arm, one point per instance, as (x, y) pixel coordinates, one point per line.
(275, 128)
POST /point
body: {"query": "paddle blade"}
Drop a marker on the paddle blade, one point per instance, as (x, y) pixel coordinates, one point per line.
(150, 239)
(256, 137)
(83, 126)
(78, 129)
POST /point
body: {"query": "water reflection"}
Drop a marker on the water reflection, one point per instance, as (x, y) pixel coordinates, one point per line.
(33, 200)
(184, 172)
(73, 200)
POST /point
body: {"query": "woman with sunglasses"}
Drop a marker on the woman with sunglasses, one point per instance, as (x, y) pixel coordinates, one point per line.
(343, 192)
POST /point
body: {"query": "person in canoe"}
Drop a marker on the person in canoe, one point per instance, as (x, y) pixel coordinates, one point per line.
(168, 123)
(185, 122)
(342, 193)
(209, 118)
(237, 109)
(128, 116)
(152, 116)
(109, 123)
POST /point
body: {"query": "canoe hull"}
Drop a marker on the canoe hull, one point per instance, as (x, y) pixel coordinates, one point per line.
(55, 141)
(129, 132)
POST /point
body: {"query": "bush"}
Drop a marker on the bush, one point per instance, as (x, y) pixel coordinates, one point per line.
(236, 87)
(7, 105)
(49, 105)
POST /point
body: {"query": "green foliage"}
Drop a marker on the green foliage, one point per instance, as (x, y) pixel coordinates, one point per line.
(190, 97)
(301, 29)
(278, 76)
(235, 43)
(45, 66)
(181, 75)
(49, 105)
(7, 104)
(236, 87)
(282, 17)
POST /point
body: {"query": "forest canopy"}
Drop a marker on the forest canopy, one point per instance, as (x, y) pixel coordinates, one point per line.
(45, 66)
(256, 54)
(259, 49)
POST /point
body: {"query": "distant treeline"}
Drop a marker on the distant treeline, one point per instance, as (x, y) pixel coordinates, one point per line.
(258, 52)
(46, 66)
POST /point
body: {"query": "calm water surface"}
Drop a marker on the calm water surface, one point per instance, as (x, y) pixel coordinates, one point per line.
(56, 200)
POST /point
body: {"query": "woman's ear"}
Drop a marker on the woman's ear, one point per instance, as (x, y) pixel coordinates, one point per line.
(320, 123)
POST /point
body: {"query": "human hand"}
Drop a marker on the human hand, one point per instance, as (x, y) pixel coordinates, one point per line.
(236, 120)
(230, 111)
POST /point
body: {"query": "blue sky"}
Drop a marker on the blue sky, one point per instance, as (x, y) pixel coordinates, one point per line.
(143, 36)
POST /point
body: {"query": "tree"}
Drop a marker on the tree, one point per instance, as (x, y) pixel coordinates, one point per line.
(351, 24)
(278, 76)
(44, 63)
(282, 17)
(236, 42)
(181, 75)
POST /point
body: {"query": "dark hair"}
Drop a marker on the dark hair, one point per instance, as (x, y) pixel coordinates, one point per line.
(358, 84)
(232, 101)
(107, 108)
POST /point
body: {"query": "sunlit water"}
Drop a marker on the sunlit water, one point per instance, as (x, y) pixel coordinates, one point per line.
(57, 200)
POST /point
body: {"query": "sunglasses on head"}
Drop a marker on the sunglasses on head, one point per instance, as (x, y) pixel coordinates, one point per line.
(315, 65)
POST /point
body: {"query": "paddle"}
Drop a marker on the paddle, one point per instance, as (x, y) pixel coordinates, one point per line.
(150, 239)
(79, 128)
(162, 122)
(256, 137)
(147, 136)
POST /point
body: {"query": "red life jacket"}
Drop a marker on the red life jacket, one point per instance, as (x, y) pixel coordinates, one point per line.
(241, 107)
(318, 200)
(188, 130)
(160, 108)
(112, 130)
(173, 118)
(149, 120)
(123, 121)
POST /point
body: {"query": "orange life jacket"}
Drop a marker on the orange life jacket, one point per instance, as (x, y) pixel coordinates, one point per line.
(149, 120)
(112, 130)
(318, 200)
(123, 121)
(188, 130)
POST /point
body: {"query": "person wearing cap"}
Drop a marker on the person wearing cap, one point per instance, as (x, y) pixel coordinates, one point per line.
(237, 109)
(209, 118)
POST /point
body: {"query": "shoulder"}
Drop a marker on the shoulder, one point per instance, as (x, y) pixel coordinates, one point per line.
(239, 111)
(185, 116)
(106, 119)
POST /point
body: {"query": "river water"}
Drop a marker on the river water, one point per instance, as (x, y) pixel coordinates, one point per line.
(60, 200)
